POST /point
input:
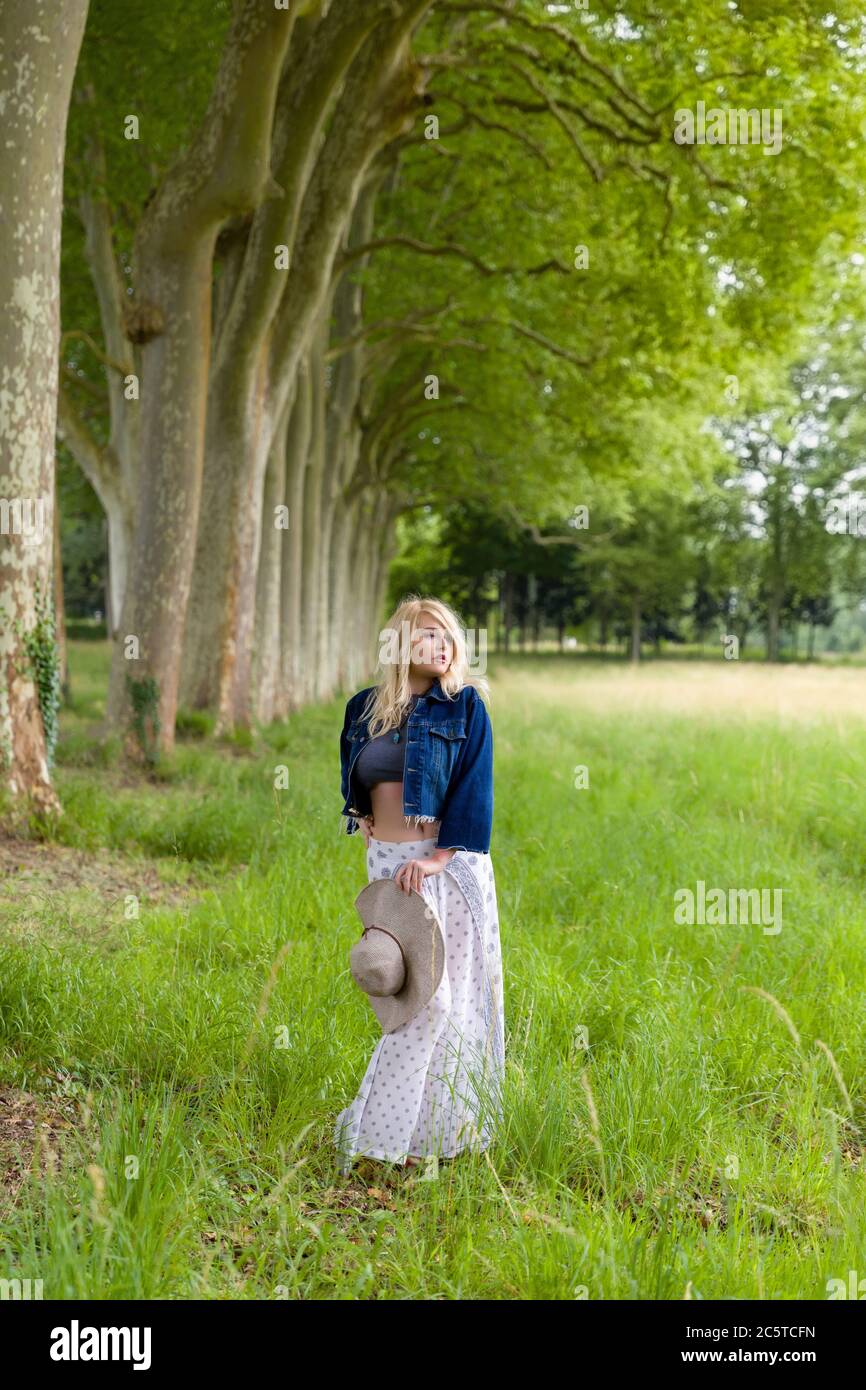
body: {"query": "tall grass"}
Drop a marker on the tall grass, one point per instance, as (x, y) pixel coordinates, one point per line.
(685, 1105)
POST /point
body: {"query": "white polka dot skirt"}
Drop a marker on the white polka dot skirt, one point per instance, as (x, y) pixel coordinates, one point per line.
(434, 1085)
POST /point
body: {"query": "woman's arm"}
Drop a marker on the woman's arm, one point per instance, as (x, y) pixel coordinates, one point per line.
(442, 855)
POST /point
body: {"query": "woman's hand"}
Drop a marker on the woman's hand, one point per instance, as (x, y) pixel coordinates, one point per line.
(409, 876)
(365, 825)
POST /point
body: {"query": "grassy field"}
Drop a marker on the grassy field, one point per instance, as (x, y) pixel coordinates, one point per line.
(686, 1107)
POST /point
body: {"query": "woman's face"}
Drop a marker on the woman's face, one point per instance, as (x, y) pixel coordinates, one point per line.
(431, 648)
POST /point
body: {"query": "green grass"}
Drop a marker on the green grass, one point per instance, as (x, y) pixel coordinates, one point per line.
(695, 1144)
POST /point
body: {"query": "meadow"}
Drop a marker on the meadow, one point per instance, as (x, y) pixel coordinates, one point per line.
(685, 1104)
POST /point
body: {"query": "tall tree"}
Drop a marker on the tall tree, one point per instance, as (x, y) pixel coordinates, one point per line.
(224, 172)
(39, 45)
(401, 318)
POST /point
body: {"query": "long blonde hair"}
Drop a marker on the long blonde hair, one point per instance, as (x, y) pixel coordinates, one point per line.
(389, 699)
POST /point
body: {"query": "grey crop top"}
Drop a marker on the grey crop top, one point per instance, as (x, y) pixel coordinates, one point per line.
(383, 758)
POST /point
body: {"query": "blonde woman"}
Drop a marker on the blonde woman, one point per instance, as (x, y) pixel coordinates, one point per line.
(417, 778)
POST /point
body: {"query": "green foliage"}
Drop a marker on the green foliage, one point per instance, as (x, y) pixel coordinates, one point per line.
(702, 262)
(708, 266)
(240, 737)
(43, 664)
(85, 630)
(79, 749)
(194, 723)
(144, 719)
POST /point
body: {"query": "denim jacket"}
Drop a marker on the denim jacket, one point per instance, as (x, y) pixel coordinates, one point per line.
(448, 773)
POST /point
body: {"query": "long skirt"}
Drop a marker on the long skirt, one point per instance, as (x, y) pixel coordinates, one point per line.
(434, 1085)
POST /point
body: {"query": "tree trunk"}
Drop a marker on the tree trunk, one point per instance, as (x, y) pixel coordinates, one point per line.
(297, 457)
(341, 621)
(775, 527)
(313, 611)
(266, 668)
(635, 630)
(381, 547)
(223, 172)
(344, 443)
(366, 650)
(386, 550)
(773, 626)
(741, 633)
(39, 44)
(275, 313)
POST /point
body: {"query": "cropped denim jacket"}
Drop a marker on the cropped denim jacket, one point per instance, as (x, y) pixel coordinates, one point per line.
(448, 774)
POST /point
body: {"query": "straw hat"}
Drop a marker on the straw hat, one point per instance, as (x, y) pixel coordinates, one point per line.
(399, 960)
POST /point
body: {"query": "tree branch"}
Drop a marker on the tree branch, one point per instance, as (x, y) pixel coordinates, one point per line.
(448, 249)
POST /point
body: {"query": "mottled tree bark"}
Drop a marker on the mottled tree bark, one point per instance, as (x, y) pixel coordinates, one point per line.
(224, 172)
(313, 611)
(39, 45)
(291, 579)
(241, 418)
(373, 553)
(341, 622)
(266, 655)
(376, 101)
(343, 447)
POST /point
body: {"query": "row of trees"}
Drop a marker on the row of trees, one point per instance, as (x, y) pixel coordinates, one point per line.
(769, 536)
(651, 582)
(327, 264)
